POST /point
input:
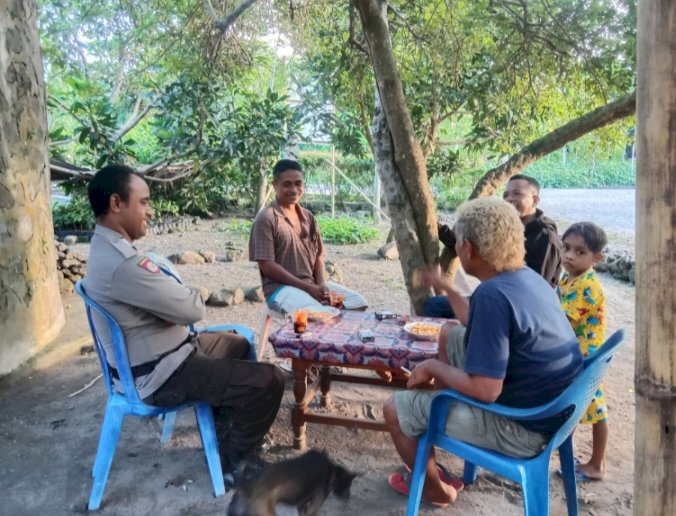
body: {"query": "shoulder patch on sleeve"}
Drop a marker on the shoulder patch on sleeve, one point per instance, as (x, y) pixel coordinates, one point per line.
(149, 265)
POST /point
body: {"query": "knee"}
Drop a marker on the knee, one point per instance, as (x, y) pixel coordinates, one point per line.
(276, 382)
(390, 413)
(241, 346)
(443, 337)
(428, 308)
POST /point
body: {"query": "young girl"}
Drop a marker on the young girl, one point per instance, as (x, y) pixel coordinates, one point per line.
(583, 301)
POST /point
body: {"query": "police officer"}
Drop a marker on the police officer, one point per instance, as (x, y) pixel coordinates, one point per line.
(171, 365)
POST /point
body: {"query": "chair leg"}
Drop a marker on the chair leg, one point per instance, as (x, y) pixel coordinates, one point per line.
(418, 477)
(535, 490)
(469, 474)
(205, 422)
(110, 433)
(566, 455)
(264, 336)
(168, 427)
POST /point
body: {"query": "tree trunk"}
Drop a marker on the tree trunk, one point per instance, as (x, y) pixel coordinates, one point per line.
(31, 314)
(655, 374)
(399, 208)
(262, 190)
(621, 108)
(404, 175)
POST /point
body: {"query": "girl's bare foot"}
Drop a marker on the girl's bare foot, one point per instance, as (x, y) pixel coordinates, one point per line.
(591, 471)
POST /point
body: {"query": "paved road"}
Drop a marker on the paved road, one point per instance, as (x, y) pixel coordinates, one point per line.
(612, 209)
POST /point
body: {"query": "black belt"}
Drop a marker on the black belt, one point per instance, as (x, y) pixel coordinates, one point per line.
(148, 367)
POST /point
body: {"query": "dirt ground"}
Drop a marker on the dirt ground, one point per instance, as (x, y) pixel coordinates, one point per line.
(48, 439)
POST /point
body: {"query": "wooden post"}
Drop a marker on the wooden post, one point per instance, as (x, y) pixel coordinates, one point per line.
(333, 181)
(655, 377)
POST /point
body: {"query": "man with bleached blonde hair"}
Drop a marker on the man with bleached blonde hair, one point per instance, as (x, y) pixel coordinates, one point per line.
(512, 345)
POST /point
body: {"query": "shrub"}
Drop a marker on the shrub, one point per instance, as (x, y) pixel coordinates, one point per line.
(163, 207)
(346, 230)
(76, 214)
(236, 226)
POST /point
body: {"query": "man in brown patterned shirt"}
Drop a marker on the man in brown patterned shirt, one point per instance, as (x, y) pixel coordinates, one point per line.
(286, 243)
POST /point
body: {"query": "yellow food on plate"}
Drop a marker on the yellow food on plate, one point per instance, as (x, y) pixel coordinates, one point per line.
(319, 315)
(424, 329)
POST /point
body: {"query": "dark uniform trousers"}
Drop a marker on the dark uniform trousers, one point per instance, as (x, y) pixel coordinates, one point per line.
(246, 394)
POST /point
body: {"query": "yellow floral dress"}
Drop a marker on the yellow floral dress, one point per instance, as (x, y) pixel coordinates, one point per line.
(583, 301)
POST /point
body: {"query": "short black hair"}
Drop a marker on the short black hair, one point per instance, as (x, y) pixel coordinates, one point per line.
(528, 179)
(283, 165)
(111, 179)
(594, 237)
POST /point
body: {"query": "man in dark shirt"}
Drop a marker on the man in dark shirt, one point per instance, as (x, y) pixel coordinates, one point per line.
(512, 344)
(543, 245)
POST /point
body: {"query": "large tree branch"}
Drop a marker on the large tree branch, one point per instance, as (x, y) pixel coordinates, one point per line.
(408, 156)
(491, 181)
(600, 117)
(132, 122)
(225, 23)
(352, 37)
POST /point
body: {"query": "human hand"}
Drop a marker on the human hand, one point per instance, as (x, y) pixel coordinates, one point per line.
(430, 277)
(319, 292)
(421, 375)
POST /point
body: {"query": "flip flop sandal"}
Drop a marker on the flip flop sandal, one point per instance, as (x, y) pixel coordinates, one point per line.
(401, 483)
(580, 476)
(446, 478)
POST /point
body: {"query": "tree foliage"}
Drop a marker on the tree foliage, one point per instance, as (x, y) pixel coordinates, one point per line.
(156, 84)
(491, 74)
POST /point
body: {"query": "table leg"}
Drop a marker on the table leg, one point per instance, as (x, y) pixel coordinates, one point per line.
(325, 386)
(300, 406)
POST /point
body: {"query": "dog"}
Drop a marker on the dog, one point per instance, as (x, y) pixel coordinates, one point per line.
(304, 482)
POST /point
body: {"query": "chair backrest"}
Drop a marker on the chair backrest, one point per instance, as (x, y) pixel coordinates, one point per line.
(119, 348)
(580, 393)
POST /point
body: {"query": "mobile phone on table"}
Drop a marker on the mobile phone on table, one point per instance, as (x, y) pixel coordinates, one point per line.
(366, 336)
(385, 314)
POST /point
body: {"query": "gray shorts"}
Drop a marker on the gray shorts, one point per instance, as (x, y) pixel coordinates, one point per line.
(466, 423)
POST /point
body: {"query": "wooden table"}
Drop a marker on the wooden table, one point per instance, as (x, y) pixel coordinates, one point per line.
(335, 343)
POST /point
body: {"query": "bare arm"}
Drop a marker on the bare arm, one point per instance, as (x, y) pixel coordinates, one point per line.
(273, 270)
(318, 271)
(432, 278)
(478, 387)
(459, 304)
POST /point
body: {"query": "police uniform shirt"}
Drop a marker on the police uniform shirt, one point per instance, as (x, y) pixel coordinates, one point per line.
(152, 308)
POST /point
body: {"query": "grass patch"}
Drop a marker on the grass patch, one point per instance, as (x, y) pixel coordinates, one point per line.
(236, 226)
(346, 230)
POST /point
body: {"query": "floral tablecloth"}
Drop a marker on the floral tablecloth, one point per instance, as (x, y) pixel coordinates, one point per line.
(336, 342)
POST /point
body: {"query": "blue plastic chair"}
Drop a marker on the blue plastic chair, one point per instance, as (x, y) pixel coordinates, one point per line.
(532, 474)
(120, 405)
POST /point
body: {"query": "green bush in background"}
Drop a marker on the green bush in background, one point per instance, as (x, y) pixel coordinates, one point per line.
(346, 230)
(236, 226)
(553, 172)
(76, 214)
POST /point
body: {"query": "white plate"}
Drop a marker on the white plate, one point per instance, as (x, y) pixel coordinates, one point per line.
(433, 334)
(322, 314)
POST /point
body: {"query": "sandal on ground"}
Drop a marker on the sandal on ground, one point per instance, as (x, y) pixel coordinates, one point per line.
(580, 476)
(401, 483)
(446, 477)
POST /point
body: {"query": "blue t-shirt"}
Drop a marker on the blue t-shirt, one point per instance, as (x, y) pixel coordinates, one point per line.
(517, 332)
